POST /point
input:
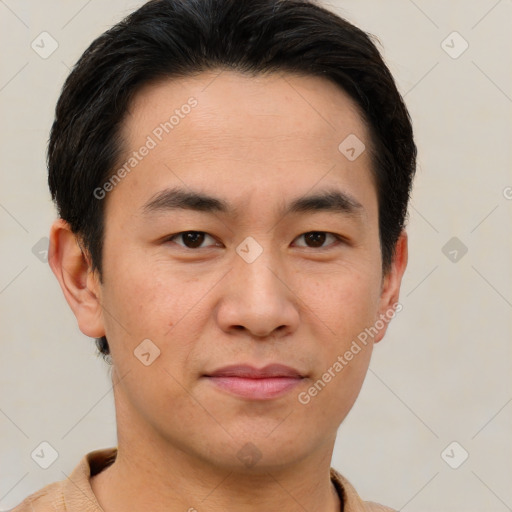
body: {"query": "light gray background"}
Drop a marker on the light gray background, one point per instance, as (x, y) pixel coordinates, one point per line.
(443, 372)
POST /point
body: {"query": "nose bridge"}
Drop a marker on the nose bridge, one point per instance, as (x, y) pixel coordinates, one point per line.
(256, 265)
(257, 298)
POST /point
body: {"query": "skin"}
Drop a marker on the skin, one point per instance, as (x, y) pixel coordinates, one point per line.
(257, 143)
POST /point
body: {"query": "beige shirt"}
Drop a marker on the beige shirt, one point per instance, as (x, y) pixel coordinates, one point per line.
(74, 494)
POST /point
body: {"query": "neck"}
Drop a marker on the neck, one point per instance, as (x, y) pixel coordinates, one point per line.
(170, 480)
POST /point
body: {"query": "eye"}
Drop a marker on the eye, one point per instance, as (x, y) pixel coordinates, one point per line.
(191, 239)
(195, 239)
(317, 238)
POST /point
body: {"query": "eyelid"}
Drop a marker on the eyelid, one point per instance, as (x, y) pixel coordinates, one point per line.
(339, 239)
(176, 235)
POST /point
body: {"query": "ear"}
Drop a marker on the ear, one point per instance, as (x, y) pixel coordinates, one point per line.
(391, 283)
(80, 285)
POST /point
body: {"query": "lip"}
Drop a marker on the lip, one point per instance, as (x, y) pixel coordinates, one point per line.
(250, 372)
(246, 381)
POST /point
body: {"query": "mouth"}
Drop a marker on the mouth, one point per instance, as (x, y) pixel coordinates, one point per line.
(248, 382)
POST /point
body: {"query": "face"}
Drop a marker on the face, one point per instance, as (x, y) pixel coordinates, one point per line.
(241, 265)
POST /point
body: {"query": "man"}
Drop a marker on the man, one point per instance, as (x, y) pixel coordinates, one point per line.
(232, 180)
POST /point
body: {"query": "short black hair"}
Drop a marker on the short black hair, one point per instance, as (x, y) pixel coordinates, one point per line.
(179, 38)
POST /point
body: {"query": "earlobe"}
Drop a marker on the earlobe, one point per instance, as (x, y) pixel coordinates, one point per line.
(79, 285)
(390, 293)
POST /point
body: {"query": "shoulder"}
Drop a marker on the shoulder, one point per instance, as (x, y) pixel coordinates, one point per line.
(74, 493)
(352, 502)
(370, 506)
(47, 499)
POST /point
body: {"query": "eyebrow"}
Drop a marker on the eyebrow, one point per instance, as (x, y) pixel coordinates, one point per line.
(330, 200)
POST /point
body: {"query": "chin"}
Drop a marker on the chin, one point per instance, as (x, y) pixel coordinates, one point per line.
(264, 450)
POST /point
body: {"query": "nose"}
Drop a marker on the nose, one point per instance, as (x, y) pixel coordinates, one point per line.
(258, 298)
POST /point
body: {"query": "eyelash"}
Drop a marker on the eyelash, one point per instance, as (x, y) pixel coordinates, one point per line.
(339, 239)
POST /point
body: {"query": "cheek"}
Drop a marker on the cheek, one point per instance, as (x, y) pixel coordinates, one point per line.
(142, 296)
(348, 309)
(349, 303)
(151, 301)
(332, 393)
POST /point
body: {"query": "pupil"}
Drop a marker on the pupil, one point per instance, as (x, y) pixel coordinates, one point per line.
(316, 237)
(193, 239)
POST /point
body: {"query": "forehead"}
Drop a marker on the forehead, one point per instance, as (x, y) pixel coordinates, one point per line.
(239, 132)
(270, 107)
